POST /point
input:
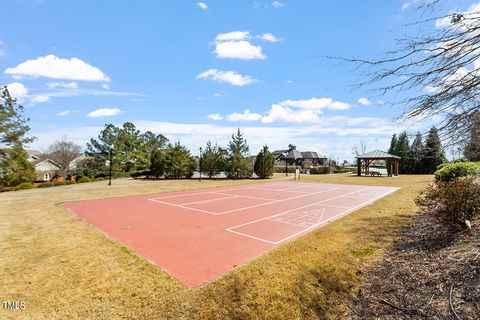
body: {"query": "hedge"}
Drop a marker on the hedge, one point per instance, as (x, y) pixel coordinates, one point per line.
(452, 171)
(24, 186)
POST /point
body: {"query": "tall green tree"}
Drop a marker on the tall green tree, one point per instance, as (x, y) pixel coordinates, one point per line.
(264, 163)
(213, 161)
(150, 144)
(126, 143)
(157, 163)
(433, 154)
(402, 149)
(416, 152)
(472, 148)
(14, 165)
(393, 144)
(239, 165)
(179, 163)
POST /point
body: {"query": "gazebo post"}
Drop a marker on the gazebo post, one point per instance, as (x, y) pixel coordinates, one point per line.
(359, 167)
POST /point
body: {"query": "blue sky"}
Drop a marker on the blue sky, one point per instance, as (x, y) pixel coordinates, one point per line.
(198, 70)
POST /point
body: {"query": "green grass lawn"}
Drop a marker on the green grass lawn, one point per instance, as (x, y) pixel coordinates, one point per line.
(63, 268)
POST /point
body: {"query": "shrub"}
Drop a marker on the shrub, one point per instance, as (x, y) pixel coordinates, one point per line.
(45, 185)
(456, 170)
(70, 182)
(142, 173)
(455, 201)
(281, 169)
(59, 183)
(345, 169)
(99, 179)
(6, 189)
(24, 186)
(321, 170)
(84, 179)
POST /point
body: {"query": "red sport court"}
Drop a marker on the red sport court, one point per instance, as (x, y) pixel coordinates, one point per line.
(197, 236)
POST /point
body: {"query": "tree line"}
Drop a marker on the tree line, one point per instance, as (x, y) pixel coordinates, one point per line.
(419, 157)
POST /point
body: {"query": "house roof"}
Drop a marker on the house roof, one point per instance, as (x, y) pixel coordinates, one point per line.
(312, 155)
(378, 154)
(37, 163)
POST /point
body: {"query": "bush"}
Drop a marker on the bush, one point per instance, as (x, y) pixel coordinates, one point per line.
(84, 179)
(281, 169)
(142, 173)
(6, 189)
(456, 201)
(59, 183)
(322, 170)
(345, 169)
(24, 186)
(99, 179)
(452, 171)
(45, 185)
(70, 182)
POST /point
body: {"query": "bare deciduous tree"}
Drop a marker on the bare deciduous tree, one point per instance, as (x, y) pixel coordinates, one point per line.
(438, 71)
(64, 152)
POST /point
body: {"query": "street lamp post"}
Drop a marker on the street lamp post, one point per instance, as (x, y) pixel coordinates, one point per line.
(111, 160)
(286, 163)
(200, 165)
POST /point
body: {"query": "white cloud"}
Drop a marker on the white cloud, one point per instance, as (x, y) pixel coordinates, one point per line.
(230, 77)
(364, 101)
(51, 66)
(233, 36)
(215, 116)
(289, 81)
(39, 99)
(63, 113)
(286, 114)
(67, 85)
(316, 104)
(105, 86)
(18, 91)
(239, 50)
(217, 94)
(104, 112)
(245, 116)
(268, 37)
(278, 4)
(202, 5)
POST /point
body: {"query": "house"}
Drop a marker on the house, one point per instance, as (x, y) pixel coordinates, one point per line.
(45, 169)
(294, 157)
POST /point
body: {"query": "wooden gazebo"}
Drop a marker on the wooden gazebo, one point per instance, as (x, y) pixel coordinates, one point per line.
(392, 162)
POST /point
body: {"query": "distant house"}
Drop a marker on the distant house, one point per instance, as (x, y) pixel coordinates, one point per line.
(294, 157)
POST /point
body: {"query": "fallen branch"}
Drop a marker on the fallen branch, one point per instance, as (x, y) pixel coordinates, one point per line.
(354, 311)
(451, 304)
(402, 309)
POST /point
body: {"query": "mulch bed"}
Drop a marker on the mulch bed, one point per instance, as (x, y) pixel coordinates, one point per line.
(431, 272)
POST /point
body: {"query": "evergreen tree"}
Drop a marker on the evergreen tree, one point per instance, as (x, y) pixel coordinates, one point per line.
(416, 151)
(150, 144)
(212, 160)
(179, 163)
(433, 154)
(238, 163)
(264, 163)
(14, 165)
(402, 149)
(157, 163)
(472, 148)
(393, 144)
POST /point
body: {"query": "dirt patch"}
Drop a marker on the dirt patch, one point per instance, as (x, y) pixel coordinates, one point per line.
(429, 273)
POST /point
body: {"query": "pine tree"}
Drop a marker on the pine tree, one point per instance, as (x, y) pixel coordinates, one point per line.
(402, 149)
(416, 151)
(14, 165)
(239, 165)
(433, 154)
(179, 163)
(393, 144)
(212, 160)
(264, 163)
(157, 163)
(472, 149)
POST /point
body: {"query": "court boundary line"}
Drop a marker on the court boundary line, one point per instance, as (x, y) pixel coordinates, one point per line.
(370, 201)
(239, 196)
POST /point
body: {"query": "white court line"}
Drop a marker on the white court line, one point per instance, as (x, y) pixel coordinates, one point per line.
(314, 226)
(238, 209)
(207, 201)
(280, 190)
(242, 196)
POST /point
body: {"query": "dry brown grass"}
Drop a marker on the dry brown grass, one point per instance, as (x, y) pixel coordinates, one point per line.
(63, 268)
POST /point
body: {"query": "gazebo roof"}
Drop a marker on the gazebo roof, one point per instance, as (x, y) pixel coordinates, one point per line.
(377, 154)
